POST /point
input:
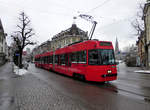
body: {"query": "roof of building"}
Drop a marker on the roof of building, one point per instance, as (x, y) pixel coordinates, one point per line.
(72, 30)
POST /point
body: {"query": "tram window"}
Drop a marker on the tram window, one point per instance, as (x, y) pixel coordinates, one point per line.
(50, 59)
(43, 59)
(93, 57)
(67, 58)
(40, 60)
(56, 58)
(62, 59)
(107, 57)
(82, 57)
(47, 59)
(74, 57)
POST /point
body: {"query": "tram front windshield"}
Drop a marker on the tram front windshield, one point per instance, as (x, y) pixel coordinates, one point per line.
(101, 57)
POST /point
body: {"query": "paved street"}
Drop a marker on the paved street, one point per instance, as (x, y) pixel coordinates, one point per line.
(134, 84)
(44, 90)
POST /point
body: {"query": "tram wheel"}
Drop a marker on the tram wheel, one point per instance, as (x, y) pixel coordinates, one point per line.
(82, 77)
(74, 76)
(79, 77)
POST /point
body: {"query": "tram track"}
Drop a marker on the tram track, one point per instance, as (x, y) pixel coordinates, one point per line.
(120, 89)
(123, 87)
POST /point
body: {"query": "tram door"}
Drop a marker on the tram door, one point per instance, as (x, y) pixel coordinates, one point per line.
(68, 63)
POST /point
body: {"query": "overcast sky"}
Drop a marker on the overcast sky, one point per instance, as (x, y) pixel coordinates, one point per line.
(49, 17)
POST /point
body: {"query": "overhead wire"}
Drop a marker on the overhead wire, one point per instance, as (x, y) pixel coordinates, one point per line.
(116, 22)
(100, 5)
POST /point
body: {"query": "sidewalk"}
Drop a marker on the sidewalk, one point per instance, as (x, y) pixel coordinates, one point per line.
(143, 71)
(27, 92)
(31, 93)
(122, 66)
(6, 87)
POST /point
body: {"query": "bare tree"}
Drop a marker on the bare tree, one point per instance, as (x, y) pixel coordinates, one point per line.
(138, 23)
(22, 37)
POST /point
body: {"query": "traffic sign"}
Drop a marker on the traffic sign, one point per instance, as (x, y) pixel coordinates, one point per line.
(17, 54)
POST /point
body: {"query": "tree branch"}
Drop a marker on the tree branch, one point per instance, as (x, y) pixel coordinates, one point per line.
(138, 23)
(24, 32)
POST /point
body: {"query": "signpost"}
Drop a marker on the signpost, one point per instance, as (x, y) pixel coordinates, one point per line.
(18, 55)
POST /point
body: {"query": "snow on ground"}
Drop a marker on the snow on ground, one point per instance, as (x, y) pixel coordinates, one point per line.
(19, 71)
(143, 71)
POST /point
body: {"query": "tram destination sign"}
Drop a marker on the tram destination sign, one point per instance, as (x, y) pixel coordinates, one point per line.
(105, 43)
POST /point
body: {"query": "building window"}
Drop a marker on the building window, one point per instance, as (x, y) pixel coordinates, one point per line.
(67, 41)
(73, 39)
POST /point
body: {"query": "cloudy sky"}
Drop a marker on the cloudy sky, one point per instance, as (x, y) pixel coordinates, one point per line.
(49, 17)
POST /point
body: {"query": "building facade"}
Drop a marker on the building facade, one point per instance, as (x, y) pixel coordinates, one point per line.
(141, 49)
(147, 32)
(44, 47)
(131, 56)
(69, 36)
(3, 45)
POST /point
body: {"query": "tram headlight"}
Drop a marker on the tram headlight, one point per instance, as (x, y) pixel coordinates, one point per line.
(109, 71)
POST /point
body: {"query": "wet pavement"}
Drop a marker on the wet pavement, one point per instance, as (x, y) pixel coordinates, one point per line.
(6, 89)
(136, 84)
(45, 90)
(125, 93)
